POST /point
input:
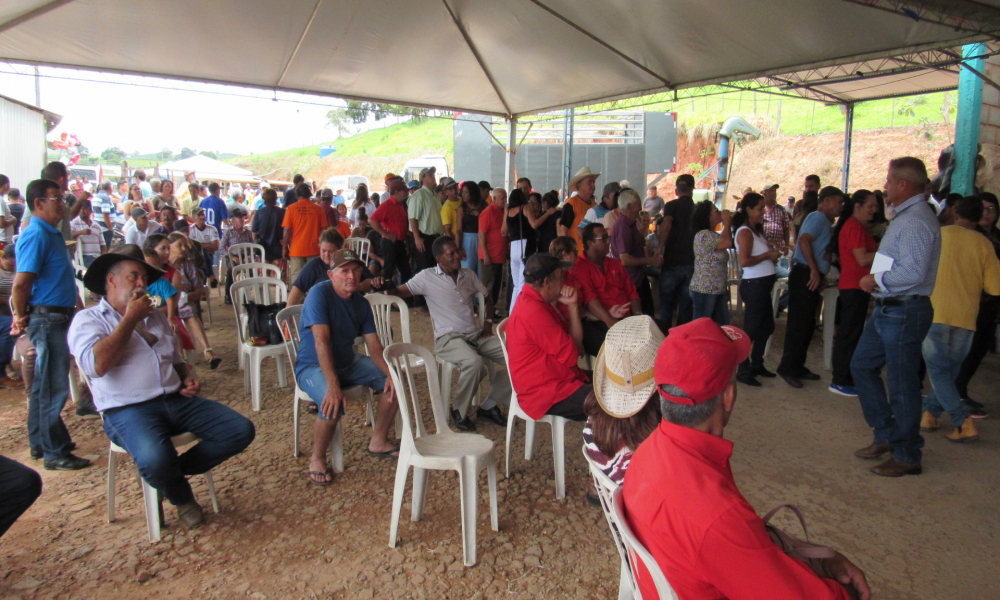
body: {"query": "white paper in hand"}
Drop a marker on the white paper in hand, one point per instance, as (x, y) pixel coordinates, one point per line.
(882, 263)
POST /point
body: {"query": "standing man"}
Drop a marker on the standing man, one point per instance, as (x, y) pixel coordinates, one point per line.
(8, 223)
(584, 183)
(291, 194)
(390, 221)
(677, 241)
(451, 294)
(44, 297)
(972, 268)
(147, 189)
(628, 245)
(104, 209)
(266, 226)
(207, 236)
(653, 203)
(777, 221)
(902, 281)
(811, 184)
(215, 208)
(607, 205)
(424, 212)
(303, 222)
(493, 245)
(57, 172)
(810, 264)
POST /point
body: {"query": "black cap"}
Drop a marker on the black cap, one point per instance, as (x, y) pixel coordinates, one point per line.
(541, 265)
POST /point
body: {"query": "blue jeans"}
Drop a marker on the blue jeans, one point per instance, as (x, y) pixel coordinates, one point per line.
(892, 338)
(674, 293)
(361, 371)
(50, 389)
(713, 306)
(470, 243)
(945, 349)
(145, 429)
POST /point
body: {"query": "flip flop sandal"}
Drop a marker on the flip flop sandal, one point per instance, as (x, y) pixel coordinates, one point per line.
(386, 454)
(323, 474)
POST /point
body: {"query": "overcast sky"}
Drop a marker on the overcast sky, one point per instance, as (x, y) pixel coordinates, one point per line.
(105, 114)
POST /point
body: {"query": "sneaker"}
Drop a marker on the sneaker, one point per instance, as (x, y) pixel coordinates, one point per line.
(978, 413)
(67, 463)
(973, 404)
(842, 390)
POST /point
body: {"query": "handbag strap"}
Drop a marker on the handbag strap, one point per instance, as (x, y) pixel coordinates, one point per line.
(794, 509)
(799, 548)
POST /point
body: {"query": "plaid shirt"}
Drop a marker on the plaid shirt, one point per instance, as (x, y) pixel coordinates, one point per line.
(777, 223)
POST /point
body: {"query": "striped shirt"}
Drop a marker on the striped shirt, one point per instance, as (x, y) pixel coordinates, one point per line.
(913, 241)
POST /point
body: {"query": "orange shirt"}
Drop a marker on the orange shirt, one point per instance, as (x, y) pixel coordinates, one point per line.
(344, 229)
(580, 208)
(307, 220)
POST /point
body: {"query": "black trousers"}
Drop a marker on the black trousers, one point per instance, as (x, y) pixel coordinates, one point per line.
(982, 341)
(594, 333)
(19, 488)
(853, 311)
(801, 325)
(646, 297)
(422, 260)
(396, 260)
(571, 407)
(758, 318)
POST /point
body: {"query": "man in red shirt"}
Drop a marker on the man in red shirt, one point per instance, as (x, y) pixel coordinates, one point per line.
(680, 497)
(543, 348)
(390, 221)
(493, 248)
(608, 292)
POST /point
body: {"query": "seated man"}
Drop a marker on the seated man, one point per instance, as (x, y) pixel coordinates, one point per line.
(543, 348)
(680, 497)
(450, 291)
(141, 383)
(333, 315)
(315, 271)
(608, 292)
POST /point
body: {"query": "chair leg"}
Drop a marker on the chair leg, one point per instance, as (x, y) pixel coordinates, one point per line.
(402, 467)
(152, 501)
(511, 420)
(467, 489)
(558, 456)
(624, 583)
(337, 448)
(529, 438)
(282, 381)
(295, 426)
(111, 486)
(419, 499)
(369, 397)
(211, 490)
(254, 366)
(491, 474)
(246, 375)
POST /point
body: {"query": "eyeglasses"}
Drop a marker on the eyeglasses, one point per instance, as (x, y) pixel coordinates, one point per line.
(58, 198)
(602, 238)
(989, 209)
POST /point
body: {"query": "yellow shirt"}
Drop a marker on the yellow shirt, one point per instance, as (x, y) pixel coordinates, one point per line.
(449, 214)
(968, 267)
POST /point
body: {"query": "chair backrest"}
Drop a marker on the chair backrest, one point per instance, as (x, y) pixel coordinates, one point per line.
(262, 290)
(288, 322)
(361, 246)
(382, 305)
(244, 271)
(481, 316)
(247, 253)
(637, 552)
(605, 487)
(403, 367)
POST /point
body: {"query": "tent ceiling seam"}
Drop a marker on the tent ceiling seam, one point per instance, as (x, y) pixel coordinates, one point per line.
(302, 38)
(604, 44)
(41, 10)
(475, 54)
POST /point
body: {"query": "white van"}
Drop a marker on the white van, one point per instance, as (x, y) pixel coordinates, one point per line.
(411, 170)
(348, 183)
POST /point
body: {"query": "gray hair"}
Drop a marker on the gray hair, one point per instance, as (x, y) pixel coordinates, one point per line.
(909, 169)
(686, 415)
(627, 198)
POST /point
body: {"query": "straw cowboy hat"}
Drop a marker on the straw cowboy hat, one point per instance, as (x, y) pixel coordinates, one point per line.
(581, 175)
(624, 374)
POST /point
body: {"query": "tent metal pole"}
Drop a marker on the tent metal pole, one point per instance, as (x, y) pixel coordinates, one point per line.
(970, 101)
(568, 119)
(848, 135)
(510, 168)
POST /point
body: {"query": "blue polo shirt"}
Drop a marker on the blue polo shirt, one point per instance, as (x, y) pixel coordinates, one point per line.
(817, 226)
(41, 250)
(215, 212)
(347, 319)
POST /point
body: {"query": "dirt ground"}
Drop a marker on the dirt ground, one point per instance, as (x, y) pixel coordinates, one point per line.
(932, 536)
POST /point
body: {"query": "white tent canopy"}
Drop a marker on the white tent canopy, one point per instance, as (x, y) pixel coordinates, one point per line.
(206, 168)
(500, 57)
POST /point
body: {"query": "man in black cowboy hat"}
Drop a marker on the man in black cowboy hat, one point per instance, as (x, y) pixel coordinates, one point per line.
(142, 386)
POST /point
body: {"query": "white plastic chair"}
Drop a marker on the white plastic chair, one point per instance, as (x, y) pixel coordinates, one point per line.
(361, 247)
(558, 425)
(149, 493)
(247, 253)
(382, 306)
(627, 541)
(241, 272)
(830, 295)
(735, 277)
(262, 290)
(779, 286)
(288, 322)
(444, 450)
(605, 486)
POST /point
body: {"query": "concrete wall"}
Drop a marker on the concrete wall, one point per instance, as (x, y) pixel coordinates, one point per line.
(989, 114)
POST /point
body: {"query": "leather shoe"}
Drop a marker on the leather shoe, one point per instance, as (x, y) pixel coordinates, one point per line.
(67, 463)
(792, 381)
(37, 452)
(762, 372)
(494, 415)
(807, 375)
(894, 468)
(873, 450)
(191, 514)
(747, 380)
(462, 424)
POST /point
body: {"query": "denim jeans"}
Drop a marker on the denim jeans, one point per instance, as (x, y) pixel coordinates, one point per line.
(144, 431)
(892, 339)
(982, 343)
(713, 306)
(50, 388)
(944, 350)
(20, 486)
(361, 371)
(758, 319)
(674, 293)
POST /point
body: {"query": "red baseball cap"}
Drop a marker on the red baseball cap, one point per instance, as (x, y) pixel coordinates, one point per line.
(699, 358)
